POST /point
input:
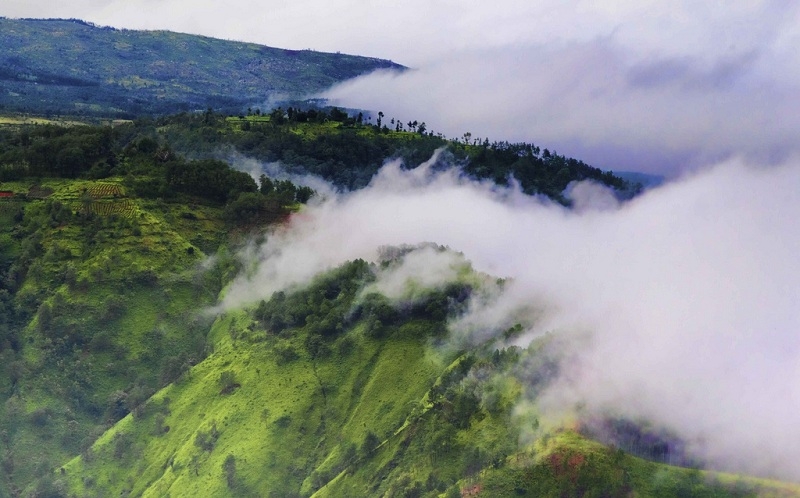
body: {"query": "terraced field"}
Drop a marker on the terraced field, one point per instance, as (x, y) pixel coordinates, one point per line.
(106, 190)
(123, 207)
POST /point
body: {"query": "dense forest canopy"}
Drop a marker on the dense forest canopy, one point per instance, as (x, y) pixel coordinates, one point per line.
(338, 147)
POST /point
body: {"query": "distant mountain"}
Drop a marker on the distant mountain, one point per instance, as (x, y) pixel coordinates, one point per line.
(647, 180)
(74, 67)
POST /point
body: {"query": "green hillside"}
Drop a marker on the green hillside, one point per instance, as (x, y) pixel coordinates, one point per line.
(343, 149)
(98, 304)
(117, 378)
(347, 150)
(102, 280)
(359, 409)
(76, 68)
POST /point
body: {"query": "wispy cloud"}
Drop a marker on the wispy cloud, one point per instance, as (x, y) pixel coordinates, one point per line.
(596, 101)
(689, 293)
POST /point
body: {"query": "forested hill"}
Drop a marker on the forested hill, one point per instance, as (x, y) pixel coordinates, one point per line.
(346, 150)
(76, 68)
(116, 381)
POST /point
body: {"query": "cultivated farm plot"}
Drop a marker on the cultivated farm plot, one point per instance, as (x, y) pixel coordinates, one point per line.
(15, 120)
(106, 190)
(125, 208)
(39, 192)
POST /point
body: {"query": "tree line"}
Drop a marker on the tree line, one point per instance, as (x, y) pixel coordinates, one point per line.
(347, 149)
(149, 164)
(178, 154)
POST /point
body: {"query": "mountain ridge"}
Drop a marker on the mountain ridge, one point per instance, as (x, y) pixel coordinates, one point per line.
(69, 66)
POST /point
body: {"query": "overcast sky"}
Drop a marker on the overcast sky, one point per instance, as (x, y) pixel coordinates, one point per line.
(642, 85)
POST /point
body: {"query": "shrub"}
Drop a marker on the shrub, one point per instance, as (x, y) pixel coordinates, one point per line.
(122, 445)
(159, 426)
(285, 354)
(371, 442)
(283, 421)
(229, 467)
(205, 440)
(114, 308)
(117, 405)
(317, 347)
(227, 382)
(41, 417)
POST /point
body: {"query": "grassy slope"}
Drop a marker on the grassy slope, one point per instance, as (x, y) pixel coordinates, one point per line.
(286, 423)
(293, 426)
(14, 120)
(566, 464)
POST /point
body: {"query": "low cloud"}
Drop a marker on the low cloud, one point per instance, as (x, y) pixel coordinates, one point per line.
(277, 170)
(688, 293)
(424, 268)
(588, 195)
(598, 101)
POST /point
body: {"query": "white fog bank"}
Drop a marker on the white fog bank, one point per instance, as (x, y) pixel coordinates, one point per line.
(690, 291)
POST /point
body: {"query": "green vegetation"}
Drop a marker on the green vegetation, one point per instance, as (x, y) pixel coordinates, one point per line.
(73, 67)
(102, 236)
(355, 413)
(347, 151)
(117, 240)
(115, 382)
(98, 314)
(329, 143)
(148, 168)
